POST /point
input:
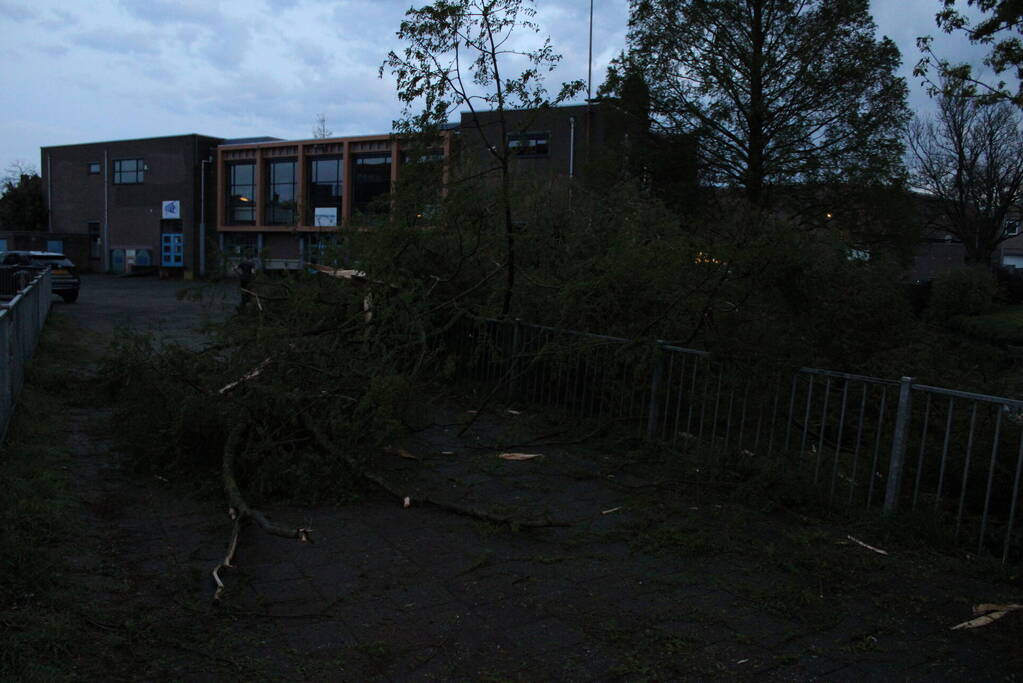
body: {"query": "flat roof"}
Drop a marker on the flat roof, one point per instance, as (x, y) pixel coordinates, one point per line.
(157, 137)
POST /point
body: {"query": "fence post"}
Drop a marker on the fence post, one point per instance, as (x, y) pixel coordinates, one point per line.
(513, 364)
(902, 417)
(656, 404)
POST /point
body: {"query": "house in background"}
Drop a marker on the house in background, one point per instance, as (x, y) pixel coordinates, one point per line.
(136, 203)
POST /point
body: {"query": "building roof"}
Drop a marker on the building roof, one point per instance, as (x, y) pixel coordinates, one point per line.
(155, 137)
(251, 141)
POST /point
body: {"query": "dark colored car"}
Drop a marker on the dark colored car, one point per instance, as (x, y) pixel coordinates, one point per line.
(66, 282)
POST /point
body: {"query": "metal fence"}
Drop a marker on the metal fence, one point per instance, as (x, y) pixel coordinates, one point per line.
(23, 313)
(892, 445)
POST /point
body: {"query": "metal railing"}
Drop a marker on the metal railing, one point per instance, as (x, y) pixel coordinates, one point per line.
(863, 441)
(23, 312)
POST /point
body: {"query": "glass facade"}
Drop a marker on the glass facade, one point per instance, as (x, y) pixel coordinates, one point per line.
(241, 194)
(280, 193)
(372, 180)
(326, 178)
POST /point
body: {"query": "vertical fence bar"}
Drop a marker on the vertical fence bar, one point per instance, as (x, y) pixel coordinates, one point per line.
(859, 443)
(656, 405)
(806, 418)
(902, 417)
(923, 445)
(966, 468)
(1015, 499)
(824, 422)
(990, 480)
(838, 441)
(944, 452)
(877, 445)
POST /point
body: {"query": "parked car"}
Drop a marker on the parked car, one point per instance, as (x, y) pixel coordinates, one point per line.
(66, 282)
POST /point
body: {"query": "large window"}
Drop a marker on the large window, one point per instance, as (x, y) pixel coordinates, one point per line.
(95, 240)
(128, 171)
(280, 193)
(325, 191)
(241, 194)
(529, 144)
(372, 181)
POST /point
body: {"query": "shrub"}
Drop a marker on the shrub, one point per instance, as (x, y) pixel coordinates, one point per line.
(963, 291)
(1010, 285)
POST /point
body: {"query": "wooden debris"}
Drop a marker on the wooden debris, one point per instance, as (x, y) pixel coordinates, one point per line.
(864, 545)
(520, 456)
(987, 614)
(251, 374)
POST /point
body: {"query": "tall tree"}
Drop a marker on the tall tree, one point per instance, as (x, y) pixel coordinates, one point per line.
(463, 54)
(22, 206)
(1000, 28)
(778, 91)
(969, 159)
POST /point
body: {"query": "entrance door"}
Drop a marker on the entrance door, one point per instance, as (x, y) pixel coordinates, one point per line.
(117, 261)
(172, 254)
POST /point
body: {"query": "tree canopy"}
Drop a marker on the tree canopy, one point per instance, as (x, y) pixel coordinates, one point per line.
(1000, 28)
(778, 91)
(22, 206)
(969, 159)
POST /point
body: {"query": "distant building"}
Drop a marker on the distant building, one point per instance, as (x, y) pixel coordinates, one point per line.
(137, 203)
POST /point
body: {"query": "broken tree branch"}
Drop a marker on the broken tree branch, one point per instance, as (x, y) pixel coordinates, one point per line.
(466, 510)
(240, 511)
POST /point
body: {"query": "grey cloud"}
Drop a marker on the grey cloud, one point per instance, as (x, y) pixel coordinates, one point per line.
(164, 12)
(16, 11)
(118, 42)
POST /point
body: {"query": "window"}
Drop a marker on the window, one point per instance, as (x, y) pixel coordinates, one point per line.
(56, 246)
(128, 171)
(241, 194)
(94, 168)
(95, 241)
(529, 144)
(240, 243)
(3, 244)
(280, 193)
(1011, 228)
(325, 191)
(372, 180)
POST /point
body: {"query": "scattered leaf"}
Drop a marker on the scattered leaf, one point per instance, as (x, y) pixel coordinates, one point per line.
(514, 412)
(520, 456)
(408, 502)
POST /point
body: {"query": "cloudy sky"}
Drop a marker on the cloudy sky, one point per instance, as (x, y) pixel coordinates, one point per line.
(89, 70)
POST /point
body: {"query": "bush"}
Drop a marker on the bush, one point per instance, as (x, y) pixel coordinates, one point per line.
(1010, 285)
(959, 292)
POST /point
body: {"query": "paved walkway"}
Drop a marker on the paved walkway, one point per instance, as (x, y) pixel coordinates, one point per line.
(650, 579)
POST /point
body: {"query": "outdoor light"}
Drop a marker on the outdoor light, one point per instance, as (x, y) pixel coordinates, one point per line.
(828, 215)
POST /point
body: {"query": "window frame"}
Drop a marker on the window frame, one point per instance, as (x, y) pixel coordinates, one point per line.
(232, 202)
(1011, 222)
(272, 205)
(121, 176)
(518, 150)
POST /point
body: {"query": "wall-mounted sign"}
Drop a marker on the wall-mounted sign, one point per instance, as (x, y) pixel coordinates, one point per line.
(172, 209)
(325, 217)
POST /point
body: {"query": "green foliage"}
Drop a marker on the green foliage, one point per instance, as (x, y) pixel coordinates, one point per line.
(999, 27)
(998, 327)
(960, 292)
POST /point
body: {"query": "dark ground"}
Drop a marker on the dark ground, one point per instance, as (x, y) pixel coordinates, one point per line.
(652, 579)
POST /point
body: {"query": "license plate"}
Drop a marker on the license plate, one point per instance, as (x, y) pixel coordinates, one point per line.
(60, 271)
